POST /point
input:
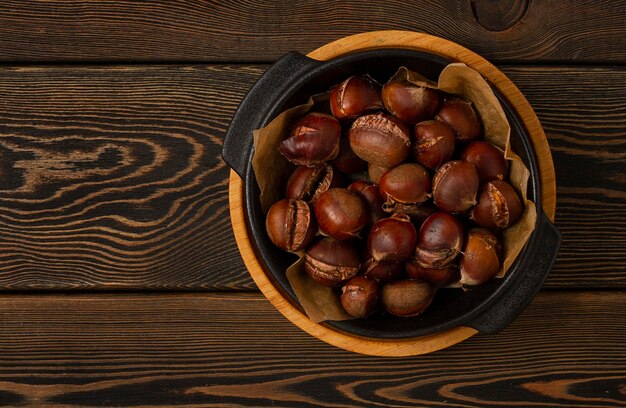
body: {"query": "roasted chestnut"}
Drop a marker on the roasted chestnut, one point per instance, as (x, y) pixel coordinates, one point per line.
(408, 183)
(375, 172)
(331, 262)
(488, 159)
(384, 271)
(434, 143)
(290, 224)
(341, 213)
(480, 261)
(307, 183)
(406, 298)
(314, 139)
(461, 117)
(435, 276)
(373, 199)
(380, 139)
(355, 96)
(439, 241)
(359, 296)
(346, 160)
(498, 206)
(455, 186)
(392, 239)
(409, 102)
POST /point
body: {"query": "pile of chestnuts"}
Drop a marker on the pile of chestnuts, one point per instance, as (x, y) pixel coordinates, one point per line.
(393, 196)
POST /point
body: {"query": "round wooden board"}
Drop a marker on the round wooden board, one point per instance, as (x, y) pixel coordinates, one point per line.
(415, 41)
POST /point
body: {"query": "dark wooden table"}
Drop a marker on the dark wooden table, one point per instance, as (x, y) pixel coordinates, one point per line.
(120, 281)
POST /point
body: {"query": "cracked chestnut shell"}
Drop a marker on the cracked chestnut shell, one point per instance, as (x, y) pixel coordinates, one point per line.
(455, 186)
(290, 224)
(409, 102)
(384, 271)
(480, 260)
(434, 143)
(314, 139)
(355, 96)
(359, 296)
(307, 183)
(341, 213)
(392, 239)
(380, 139)
(406, 298)
(439, 241)
(330, 262)
(435, 276)
(408, 183)
(488, 159)
(498, 206)
(373, 199)
(461, 117)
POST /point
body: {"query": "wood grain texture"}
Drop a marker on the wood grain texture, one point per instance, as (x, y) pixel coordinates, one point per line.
(236, 350)
(102, 126)
(210, 31)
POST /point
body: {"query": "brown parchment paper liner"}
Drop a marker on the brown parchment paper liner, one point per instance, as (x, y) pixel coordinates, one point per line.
(272, 170)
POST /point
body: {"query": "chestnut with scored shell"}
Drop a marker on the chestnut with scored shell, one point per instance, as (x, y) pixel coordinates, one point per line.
(314, 139)
(409, 102)
(439, 241)
(455, 186)
(434, 143)
(307, 183)
(373, 199)
(359, 296)
(380, 139)
(488, 159)
(498, 206)
(480, 261)
(330, 262)
(406, 298)
(341, 213)
(290, 224)
(392, 239)
(461, 117)
(355, 96)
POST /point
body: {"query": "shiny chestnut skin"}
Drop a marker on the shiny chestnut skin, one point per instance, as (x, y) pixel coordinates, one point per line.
(359, 296)
(384, 271)
(439, 241)
(380, 139)
(455, 186)
(409, 102)
(355, 96)
(488, 159)
(480, 261)
(375, 172)
(406, 298)
(408, 183)
(346, 161)
(290, 224)
(341, 213)
(435, 276)
(307, 183)
(314, 139)
(434, 143)
(330, 262)
(373, 199)
(392, 239)
(498, 206)
(461, 117)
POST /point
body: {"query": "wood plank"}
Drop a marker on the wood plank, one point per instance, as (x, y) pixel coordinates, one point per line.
(211, 31)
(234, 349)
(113, 178)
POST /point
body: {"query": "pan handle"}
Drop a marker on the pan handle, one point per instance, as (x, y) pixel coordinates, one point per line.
(512, 303)
(237, 145)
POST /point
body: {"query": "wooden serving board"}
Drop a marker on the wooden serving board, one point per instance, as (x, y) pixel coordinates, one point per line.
(413, 41)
